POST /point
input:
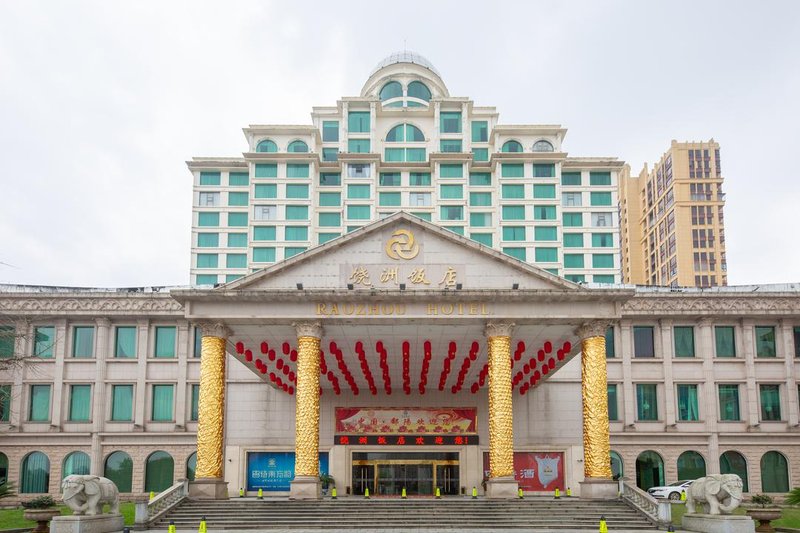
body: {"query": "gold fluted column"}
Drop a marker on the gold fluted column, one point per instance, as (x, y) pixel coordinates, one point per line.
(306, 457)
(209, 482)
(501, 483)
(594, 390)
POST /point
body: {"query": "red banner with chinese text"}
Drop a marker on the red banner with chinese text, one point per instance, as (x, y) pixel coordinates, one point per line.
(398, 421)
(535, 471)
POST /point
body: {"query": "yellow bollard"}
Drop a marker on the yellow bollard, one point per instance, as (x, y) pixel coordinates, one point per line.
(603, 526)
(438, 493)
(557, 493)
(366, 493)
(333, 493)
(519, 493)
(403, 493)
(202, 528)
(171, 528)
(260, 493)
(474, 492)
(569, 492)
(241, 492)
(152, 495)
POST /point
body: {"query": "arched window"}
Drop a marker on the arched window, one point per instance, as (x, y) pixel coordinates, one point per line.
(3, 468)
(774, 472)
(159, 472)
(617, 470)
(691, 465)
(511, 146)
(297, 147)
(119, 469)
(649, 470)
(542, 146)
(392, 89)
(417, 89)
(35, 475)
(75, 463)
(266, 146)
(191, 466)
(405, 133)
(732, 462)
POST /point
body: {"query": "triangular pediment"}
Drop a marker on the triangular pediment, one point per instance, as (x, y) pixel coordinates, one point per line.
(402, 249)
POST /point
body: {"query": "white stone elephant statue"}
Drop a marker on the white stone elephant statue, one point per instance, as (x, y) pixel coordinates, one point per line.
(717, 493)
(87, 494)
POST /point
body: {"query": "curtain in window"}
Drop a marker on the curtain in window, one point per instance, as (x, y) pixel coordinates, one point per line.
(159, 472)
(75, 463)
(80, 402)
(687, 403)
(612, 402)
(82, 345)
(122, 403)
(684, 341)
(643, 345)
(40, 403)
(119, 469)
(725, 341)
(646, 402)
(765, 341)
(162, 402)
(195, 402)
(770, 402)
(774, 473)
(610, 342)
(45, 338)
(732, 462)
(691, 465)
(729, 402)
(35, 475)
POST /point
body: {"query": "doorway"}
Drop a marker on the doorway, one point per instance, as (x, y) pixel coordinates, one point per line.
(387, 474)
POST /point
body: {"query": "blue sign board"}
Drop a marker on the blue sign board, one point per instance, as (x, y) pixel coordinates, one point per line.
(272, 471)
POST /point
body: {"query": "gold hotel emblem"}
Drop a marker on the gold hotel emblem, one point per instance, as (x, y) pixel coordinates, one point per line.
(402, 246)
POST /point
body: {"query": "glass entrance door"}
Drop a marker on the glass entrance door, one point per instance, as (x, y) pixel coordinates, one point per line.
(386, 474)
(416, 478)
(447, 479)
(363, 478)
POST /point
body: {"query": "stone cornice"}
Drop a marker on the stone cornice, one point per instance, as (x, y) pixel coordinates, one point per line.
(89, 304)
(716, 304)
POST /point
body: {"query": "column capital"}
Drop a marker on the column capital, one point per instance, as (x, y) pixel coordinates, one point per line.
(595, 328)
(308, 329)
(102, 322)
(214, 329)
(499, 329)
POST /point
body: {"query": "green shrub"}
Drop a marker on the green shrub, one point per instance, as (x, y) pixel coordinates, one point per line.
(761, 499)
(42, 502)
(793, 498)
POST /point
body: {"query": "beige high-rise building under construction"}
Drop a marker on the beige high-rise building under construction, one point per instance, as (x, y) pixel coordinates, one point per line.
(672, 221)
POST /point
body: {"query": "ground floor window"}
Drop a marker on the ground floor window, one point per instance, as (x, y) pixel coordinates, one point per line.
(616, 465)
(649, 470)
(76, 463)
(119, 469)
(159, 472)
(691, 465)
(732, 462)
(35, 475)
(774, 472)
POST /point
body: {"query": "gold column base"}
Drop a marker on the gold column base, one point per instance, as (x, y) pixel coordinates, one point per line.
(502, 488)
(208, 489)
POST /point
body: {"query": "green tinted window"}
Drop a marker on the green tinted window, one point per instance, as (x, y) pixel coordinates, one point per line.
(238, 179)
(296, 191)
(480, 154)
(330, 179)
(296, 233)
(236, 260)
(232, 277)
(455, 229)
(237, 240)
(725, 341)
(571, 178)
(207, 240)
(266, 146)
(450, 122)
(513, 191)
(573, 260)
(389, 199)
(330, 131)
(236, 220)
(266, 190)
(39, 405)
(480, 131)
(546, 255)
(263, 255)
(729, 402)
(684, 341)
(451, 212)
(480, 179)
(330, 199)
(447, 170)
(573, 220)
(480, 220)
(646, 402)
(604, 278)
(208, 219)
(165, 341)
(162, 403)
(389, 179)
(415, 154)
(83, 341)
(358, 122)
(210, 178)
(325, 237)
(296, 212)
(512, 170)
(264, 233)
(327, 220)
(612, 402)
(206, 260)
(423, 215)
(394, 154)
(43, 342)
(450, 145)
(358, 146)
(330, 154)
(770, 402)
(765, 341)
(358, 212)
(544, 212)
(688, 410)
(544, 170)
(483, 238)
(602, 240)
(600, 198)
(419, 179)
(5, 408)
(125, 341)
(450, 192)
(195, 410)
(80, 401)
(544, 191)
(297, 170)
(573, 240)
(291, 251)
(545, 233)
(358, 191)
(519, 253)
(121, 403)
(266, 170)
(480, 199)
(513, 212)
(513, 233)
(602, 261)
(610, 350)
(599, 178)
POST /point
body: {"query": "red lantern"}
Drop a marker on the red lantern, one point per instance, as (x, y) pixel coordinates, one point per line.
(293, 356)
(537, 375)
(567, 347)
(474, 388)
(285, 370)
(279, 364)
(560, 354)
(271, 355)
(291, 391)
(540, 355)
(272, 377)
(475, 346)
(545, 370)
(239, 347)
(473, 356)
(286, 348)
(452, 346)
(548, 346)
(526, 368)
(264, 347)
(332, 347)
(517, 356)
(551, 363)
(248, 356)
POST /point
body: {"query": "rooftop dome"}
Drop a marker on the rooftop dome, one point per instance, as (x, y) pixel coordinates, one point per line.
(406, 56)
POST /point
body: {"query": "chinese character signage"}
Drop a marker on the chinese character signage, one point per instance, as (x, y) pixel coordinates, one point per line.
(535, 471)
(272, 471)
(420, 421)
(405, 440)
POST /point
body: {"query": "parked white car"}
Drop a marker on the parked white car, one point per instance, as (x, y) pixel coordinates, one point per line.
(672, 491)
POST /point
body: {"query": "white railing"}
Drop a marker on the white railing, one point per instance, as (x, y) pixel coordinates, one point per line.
(659, 512)
(150, 511)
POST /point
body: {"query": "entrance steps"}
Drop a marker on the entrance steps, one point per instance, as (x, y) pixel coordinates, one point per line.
(358, 514)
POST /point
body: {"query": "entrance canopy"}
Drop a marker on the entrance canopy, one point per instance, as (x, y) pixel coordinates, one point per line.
(403, 306)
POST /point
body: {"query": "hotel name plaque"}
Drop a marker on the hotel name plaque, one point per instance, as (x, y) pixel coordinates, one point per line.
(394, 309)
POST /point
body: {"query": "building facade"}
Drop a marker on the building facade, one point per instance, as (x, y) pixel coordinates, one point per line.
(696, 381)
(406, 144)
(673, 224)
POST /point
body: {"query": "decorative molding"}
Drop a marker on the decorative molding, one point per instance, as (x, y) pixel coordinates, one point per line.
(716, 304)
(308, 329)
(595, 328)
(215, 329)
(92, 304)
(499, 329)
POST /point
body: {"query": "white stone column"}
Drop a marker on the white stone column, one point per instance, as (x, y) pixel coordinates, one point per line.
(103, 350)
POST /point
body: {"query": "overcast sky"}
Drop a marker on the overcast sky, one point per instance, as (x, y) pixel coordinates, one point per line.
(101, 104)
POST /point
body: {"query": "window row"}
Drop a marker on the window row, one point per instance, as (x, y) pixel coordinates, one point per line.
(120, 407)
(688, 402)
(774, 469)
(159, 470)
(81, 341)
(724, 342)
